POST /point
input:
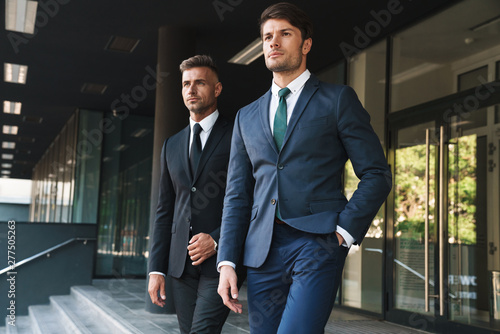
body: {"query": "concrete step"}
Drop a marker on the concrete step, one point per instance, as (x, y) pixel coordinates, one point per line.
(121, 318)
(22, 325)
(88, 310)
(46, 320)
(80, 318)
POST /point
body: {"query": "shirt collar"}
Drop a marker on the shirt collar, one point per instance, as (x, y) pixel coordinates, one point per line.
(295, 85)
(207, 123)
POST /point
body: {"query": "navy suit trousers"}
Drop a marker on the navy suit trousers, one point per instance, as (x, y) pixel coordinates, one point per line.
(294, 290)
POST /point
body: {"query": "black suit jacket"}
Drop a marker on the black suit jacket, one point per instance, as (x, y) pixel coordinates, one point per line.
(189, 201)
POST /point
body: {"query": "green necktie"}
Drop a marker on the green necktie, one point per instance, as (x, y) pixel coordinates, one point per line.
(279, 127)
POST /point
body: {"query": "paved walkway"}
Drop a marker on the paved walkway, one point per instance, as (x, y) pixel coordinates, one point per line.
(131, 293)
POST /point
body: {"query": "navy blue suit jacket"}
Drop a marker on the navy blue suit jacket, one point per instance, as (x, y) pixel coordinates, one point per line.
(328, 126)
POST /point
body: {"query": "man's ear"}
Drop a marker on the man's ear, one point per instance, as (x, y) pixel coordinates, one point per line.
(218, 89)
(306, 46)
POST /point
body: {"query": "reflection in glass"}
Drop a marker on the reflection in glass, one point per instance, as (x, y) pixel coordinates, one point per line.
(467, 229)
(409, 216)
(361, 290)
(125, 198)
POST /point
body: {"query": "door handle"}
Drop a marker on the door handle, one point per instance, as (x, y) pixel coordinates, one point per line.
(426, 222)
(442, 219)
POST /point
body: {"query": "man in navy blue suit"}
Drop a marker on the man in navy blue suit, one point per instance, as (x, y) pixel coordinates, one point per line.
(284, 201)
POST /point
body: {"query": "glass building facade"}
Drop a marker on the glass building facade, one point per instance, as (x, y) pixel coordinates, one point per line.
(429, 258)
(98, 171)
(431, 255)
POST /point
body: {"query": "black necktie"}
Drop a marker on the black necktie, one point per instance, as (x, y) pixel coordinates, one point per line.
(194, 158)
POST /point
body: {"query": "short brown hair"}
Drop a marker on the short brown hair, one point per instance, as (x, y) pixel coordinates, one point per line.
(293, 14)
(199, 61)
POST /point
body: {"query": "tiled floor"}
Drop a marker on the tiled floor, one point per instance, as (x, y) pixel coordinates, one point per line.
(132, 294)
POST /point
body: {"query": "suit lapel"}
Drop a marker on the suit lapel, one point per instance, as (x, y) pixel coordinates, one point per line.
(264, 104)
(185, 152)
(310, 88)
(215, 136)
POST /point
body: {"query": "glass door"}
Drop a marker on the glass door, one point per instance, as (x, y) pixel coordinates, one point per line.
(443, 252)
(471, 168)
(415, 230)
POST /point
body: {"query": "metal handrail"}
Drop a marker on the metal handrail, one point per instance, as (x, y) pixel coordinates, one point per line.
(47, 251)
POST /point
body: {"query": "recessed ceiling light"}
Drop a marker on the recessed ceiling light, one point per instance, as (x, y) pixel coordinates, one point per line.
(10, 129)
(140, 132)
(251, 52)
(94, 88)
(7, 156)
(23, 151)
(32, 119)
(15, 73)
(24, 139)
(8, 145)
(6, 172)
(121, 44)
(6, 165)
(20, 15)
(10, 107)
(121, 147)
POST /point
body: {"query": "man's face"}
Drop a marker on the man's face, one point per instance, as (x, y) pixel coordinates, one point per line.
(284, 50)
(200, 89)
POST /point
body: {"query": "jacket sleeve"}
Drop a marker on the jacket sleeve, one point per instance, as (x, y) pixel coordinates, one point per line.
(161, 237)
(365, 152)
(237, 201)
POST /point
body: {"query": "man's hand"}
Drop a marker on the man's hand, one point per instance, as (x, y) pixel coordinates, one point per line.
(228, 289)
(157, 283)
(340, 237)
(201, 247)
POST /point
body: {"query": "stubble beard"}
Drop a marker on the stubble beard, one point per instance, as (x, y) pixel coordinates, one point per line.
(289, 64)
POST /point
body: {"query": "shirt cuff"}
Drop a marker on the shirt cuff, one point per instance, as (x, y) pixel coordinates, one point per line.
(157, 273)
(225, 263)
(348, 239)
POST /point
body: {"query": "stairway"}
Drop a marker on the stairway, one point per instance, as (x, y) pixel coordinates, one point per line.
(89, 309)
(110, 306)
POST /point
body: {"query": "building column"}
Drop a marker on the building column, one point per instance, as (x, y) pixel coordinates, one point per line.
(174, 45)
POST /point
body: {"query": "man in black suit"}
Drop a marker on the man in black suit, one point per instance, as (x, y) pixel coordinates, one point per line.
(192, 185)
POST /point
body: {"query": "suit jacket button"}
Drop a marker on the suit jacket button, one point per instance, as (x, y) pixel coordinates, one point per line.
(193, 189)
(280, 166)
(273, 201)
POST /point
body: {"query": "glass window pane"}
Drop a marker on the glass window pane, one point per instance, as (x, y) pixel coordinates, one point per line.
(334, 74)
(471, 79)
(429, 57)
(88, 167)
(366, 76)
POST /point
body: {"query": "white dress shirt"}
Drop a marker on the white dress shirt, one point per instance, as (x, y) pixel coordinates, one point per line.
(207, 125)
